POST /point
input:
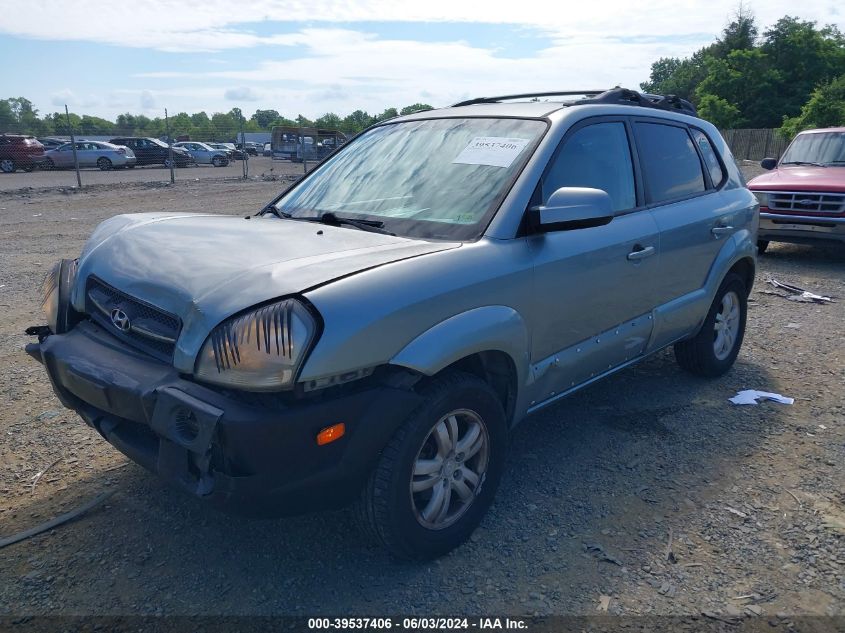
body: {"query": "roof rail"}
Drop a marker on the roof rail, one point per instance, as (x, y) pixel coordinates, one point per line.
(616, 96)
(529, 95)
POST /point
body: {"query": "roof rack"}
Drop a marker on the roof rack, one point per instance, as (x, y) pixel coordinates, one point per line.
(530, 95)
(615, 96)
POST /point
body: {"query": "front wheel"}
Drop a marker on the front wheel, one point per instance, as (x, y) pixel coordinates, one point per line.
(714, 349)
(437, 476)
(104, 164)
(219, 161)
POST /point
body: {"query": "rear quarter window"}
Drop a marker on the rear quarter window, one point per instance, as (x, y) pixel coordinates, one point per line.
(670, 162)
(711, 160)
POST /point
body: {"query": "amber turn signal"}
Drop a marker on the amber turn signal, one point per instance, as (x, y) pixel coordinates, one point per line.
(331, 433)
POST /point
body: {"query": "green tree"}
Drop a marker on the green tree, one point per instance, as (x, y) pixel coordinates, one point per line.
(719, 112)
(417, 107)
(357, 121)
(329, 121)
(389, 113)
(265, 118)
(745, 80)
(826, 108)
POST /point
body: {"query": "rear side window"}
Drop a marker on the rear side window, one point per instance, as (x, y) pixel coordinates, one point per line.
(670, 162)
(596, 156)
(711, 161)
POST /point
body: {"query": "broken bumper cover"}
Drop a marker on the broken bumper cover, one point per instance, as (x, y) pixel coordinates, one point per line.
(242, 457)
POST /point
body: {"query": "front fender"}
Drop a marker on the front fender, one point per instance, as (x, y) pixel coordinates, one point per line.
(489, 328)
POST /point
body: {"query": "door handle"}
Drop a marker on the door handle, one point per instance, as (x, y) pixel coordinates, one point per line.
(719, 231)
(640, 253)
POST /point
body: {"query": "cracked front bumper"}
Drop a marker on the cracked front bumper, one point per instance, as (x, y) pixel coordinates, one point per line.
(242, 457)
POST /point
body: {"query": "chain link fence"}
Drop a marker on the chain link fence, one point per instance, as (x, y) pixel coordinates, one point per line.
(77, 151)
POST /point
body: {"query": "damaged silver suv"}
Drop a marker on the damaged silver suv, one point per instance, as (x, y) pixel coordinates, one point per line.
(373, 334)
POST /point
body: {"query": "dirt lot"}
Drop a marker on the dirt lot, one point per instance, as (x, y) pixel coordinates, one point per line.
(752, 498)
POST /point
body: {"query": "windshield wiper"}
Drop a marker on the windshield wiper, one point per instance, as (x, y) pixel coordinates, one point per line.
(803, 162)
(332, 219)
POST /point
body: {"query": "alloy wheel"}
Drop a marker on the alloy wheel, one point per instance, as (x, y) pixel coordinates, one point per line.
(449, 469)
(726, 326)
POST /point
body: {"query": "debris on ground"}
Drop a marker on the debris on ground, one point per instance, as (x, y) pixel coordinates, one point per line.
(750, 396)
(797, 294)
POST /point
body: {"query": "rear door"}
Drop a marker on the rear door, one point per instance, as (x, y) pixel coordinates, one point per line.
(682, 177)
(594, 287)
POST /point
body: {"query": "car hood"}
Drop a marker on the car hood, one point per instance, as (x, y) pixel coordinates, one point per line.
(204, 268)
(800, 178)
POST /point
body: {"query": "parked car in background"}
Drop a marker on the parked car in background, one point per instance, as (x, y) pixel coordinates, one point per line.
(234, 152)
(151, 151)
(52, 143)
(374, 333)
(250, 148)
(802, 198)
(204, 154)
(19, 151)
(90, 154)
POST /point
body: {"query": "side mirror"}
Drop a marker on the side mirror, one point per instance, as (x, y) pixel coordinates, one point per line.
(769, 163)
(571, 208)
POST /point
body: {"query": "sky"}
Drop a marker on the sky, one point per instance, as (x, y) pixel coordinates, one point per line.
(296, 57)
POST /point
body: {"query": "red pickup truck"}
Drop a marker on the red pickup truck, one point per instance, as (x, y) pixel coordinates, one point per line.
(802, 198)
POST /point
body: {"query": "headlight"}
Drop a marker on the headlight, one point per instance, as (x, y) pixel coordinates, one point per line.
(762, 198)
(260, 350)
(55, 295)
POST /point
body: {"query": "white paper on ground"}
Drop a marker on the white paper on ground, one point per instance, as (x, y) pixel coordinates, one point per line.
(750, 396)
(495, 151)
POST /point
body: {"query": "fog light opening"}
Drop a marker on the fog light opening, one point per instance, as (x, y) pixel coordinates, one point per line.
(187, 427)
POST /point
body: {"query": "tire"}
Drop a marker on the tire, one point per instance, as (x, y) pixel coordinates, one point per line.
(49, 164)
(706, 354)
(762, 245)
(7, 166)
(130, 166)
(408, 523)
(29, 168)
(219, 161)
(104, 164)
(167, 163)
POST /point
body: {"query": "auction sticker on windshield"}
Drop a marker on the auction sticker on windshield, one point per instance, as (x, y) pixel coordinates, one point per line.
(495, 151)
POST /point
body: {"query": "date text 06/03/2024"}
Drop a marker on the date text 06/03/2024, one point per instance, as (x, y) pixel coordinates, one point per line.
(417, 624)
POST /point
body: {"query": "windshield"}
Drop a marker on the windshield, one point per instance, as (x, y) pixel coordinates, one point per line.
(827, 148)
(155, 141)
(441, 178)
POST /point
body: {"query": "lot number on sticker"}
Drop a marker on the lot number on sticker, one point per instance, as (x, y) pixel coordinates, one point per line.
(495, 151)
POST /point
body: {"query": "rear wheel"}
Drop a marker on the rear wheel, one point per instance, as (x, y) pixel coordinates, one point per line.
(7, 166)
(219, 161)
(762, 245)
(714, 349)
(104, 164)
(437, 476)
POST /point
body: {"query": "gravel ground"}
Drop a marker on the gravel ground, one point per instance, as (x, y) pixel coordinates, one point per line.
(751, 498)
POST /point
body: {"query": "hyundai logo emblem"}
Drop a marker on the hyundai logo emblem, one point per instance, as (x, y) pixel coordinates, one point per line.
(120, 320)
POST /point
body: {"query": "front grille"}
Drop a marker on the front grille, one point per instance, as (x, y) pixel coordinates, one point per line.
(805, 202)
(148, 328)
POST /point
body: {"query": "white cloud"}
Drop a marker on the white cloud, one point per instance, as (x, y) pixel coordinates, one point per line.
(63, 97)
(243, 93)
(215, 25)
(147, 100)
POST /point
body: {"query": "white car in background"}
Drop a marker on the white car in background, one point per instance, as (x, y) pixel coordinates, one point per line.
(204, 154)
(90, 154)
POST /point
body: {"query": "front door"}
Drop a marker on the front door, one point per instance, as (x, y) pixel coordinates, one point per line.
(594, 287)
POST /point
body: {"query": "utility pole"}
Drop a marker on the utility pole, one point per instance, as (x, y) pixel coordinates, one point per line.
(245, 161)
(169, 146)
(73, 145)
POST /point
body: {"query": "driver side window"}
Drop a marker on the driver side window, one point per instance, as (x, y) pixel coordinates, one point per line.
(597, 156)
